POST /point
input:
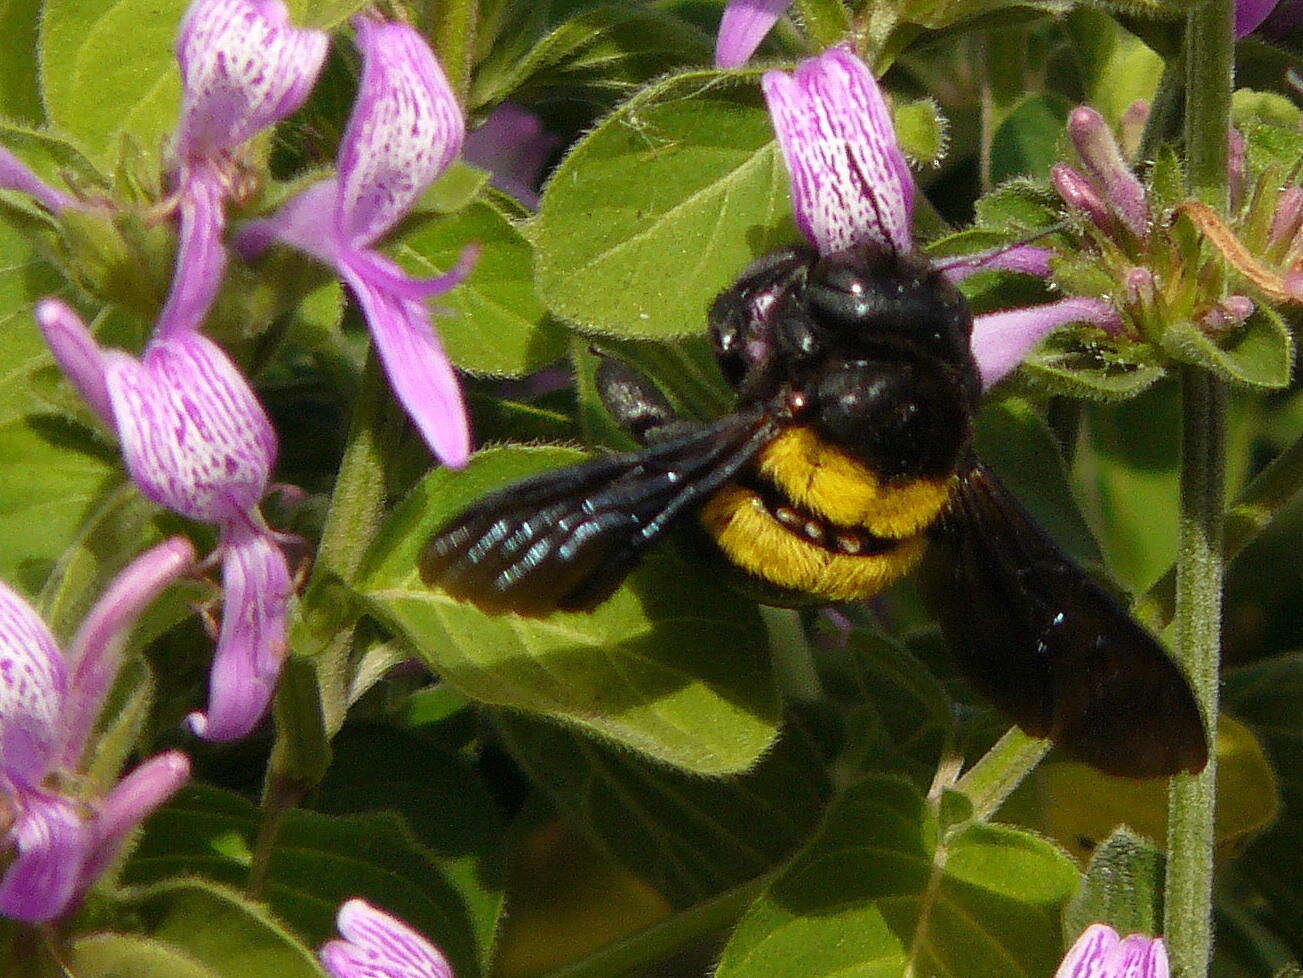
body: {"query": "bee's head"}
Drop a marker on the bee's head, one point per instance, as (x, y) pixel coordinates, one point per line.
(865, 302)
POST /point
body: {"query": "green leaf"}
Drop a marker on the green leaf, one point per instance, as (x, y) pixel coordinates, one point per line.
(1123, 888)
(672, 665)
(318, 862)
(20, 94)
(879, 893)
(921, 130)
(1260, 354)
(1073, 362)
(612, 47)
(193, 930)
(498, 326)
(1078, 807)
(659, 208)
(378, 769)
(1014, 440)
(53, 479)
(108, 67)
(690, 837)
(1027, 142)
(896, 716)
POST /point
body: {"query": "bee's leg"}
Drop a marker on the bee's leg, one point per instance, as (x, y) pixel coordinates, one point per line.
(740, 317)
(634, 401)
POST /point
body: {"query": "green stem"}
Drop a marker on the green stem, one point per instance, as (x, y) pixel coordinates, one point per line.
(1165, 112)
(1003, 57)
(279, 799)
(655, 943)
(453, 24)
(1001, 769)
(1192, 800)
(1261, 501)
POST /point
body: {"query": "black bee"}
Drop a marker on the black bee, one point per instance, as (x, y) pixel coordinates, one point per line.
(847, 455)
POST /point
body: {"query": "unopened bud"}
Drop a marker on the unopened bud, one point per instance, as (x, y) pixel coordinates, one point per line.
(1080, 196)
(1235, 155)
(1131, 127)
(1100, 153)
(1230, 312)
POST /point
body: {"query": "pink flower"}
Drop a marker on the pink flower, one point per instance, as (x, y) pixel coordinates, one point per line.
(1101, 953)
(377, 945)
(743, 26)
(243, 68)
(197, 441)
(851, 187)
(49, 702)
(405, 130)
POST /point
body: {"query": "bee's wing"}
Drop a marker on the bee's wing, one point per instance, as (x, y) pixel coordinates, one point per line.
(565, 540)
(1050, 646)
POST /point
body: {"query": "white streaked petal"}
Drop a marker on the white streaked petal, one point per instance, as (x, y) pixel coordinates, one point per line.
(378, 945)
(405, 129)
(194, 436)
(850, 181)
(243, 67)
(1089, 956)
(33, 689)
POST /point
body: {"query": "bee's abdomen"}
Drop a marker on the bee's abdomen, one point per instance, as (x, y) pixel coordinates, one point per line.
(823, 480)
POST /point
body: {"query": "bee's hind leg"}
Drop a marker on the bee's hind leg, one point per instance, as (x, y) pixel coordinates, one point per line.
(634, 401)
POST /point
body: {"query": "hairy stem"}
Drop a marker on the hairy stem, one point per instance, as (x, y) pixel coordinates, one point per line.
(1001, 769)
(1192, 800)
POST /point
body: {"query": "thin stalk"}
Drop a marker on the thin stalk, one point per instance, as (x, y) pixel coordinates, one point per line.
(1001, 769)
(657, 942)
(279, 799)
(1200, 563)
(1165, 112)
(1199, 570)
(1003, 57)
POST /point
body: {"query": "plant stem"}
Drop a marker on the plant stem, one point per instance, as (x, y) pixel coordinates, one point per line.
(657, 942)
(1192, 799)
(1165, 112)
(1262, 500)
(279, 799)
(453, 24)
(1001, 769)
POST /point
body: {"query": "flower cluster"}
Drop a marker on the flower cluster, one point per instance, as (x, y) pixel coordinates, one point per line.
(64, 830)
(194, 436)
(1133, 238)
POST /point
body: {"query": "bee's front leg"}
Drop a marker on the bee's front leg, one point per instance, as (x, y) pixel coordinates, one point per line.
(634, 401)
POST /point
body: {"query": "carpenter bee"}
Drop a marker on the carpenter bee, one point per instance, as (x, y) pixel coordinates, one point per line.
(847, 455)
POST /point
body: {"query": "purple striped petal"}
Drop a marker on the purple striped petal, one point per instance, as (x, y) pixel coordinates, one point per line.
(33, 690)
(850, 182)
(1137, 956)
(201, 257)
(1099, 151)
(743, 26)
(419, 371)
(405, 129)
(243, 68)
(16, 175)
(132, 800)
(51, 841)
(251, 645)
(1001, 340)
(194, 436)
(1026, 259)
(1089, 955)
(385, 276)
(513, 146)
(77, 354)
(96, 651)
(1250, 13)
(377, 945)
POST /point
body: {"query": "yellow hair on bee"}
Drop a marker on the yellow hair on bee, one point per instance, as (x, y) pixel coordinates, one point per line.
(759, 544)
(826, 481)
